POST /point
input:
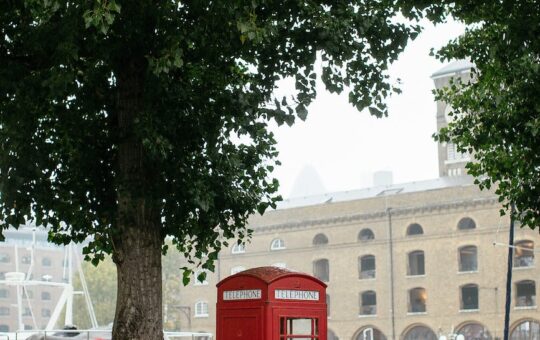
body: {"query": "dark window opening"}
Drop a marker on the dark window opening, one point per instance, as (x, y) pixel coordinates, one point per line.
(415, 229)
(469, 297)
(526, 293)
(321, 270)
(468, 259)
(367, 267)
(416, 263)
(368, 303)
(524, 254)
(466, 223)
(365, 235)
(417, 300)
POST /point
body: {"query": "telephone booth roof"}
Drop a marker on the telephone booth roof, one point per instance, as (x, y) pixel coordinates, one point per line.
(270, 274)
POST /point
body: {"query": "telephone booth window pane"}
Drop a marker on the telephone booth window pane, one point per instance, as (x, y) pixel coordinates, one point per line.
(299, 328)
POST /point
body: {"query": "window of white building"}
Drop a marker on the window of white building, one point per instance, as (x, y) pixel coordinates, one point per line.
(201, 309)
(238, 249)
(277, 244)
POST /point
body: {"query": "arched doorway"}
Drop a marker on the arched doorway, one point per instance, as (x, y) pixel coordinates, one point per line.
(369, 333)
(526, 330)
(474, 331)
(419, 332)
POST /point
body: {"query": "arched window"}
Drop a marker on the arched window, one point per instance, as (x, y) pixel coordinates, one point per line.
(46, 262)
(526, 330)
(45, 296)
(416, 263)
(366, 267)
(369, 333)
(201, 277)
(526, 293)
(365, 235)
(469, 297)
(474, 331)
(237, 269)
(419, 333)
(466, 223)
(417, 300)
(277, 244)
(468, 259)
(238, 249)
(368, 303)
(414, 229)
(321, 270)
(524, 254)
(201, 309)
(320, 240)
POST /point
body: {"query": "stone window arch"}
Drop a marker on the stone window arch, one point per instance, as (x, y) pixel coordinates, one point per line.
(320, 240)
(419, 332)
(528, 329)
(414, 229)
(466, 223)
(369, 333)
(474, 331)
(365, 235)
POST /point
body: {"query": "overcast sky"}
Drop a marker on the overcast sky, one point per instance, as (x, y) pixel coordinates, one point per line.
(343, 147)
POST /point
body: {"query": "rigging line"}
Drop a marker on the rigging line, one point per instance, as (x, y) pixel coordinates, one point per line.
(25, 292)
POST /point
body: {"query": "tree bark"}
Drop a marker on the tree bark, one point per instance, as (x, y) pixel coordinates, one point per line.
(137, 240)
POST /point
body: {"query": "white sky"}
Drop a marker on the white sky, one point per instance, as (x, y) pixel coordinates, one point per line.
(345, 146)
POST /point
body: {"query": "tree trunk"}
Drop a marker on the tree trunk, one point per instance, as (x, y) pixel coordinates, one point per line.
(137, 240)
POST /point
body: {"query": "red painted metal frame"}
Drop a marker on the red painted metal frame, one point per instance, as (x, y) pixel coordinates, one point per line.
(259, 319)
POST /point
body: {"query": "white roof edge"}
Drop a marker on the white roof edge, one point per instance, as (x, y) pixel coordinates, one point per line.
(457, 66)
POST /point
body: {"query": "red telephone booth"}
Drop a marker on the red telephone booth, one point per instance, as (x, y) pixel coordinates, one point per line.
(269, 303)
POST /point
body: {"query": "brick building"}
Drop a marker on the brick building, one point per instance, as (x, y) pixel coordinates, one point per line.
(407, 261)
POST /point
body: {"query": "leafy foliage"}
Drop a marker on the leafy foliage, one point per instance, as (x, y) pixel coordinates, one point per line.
(496, 114)
(208, 71)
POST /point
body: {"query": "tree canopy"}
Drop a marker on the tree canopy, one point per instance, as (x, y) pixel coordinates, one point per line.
(496, 113)
(133, 121)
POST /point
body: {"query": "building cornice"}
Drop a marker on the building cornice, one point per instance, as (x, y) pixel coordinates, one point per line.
(369, 216)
